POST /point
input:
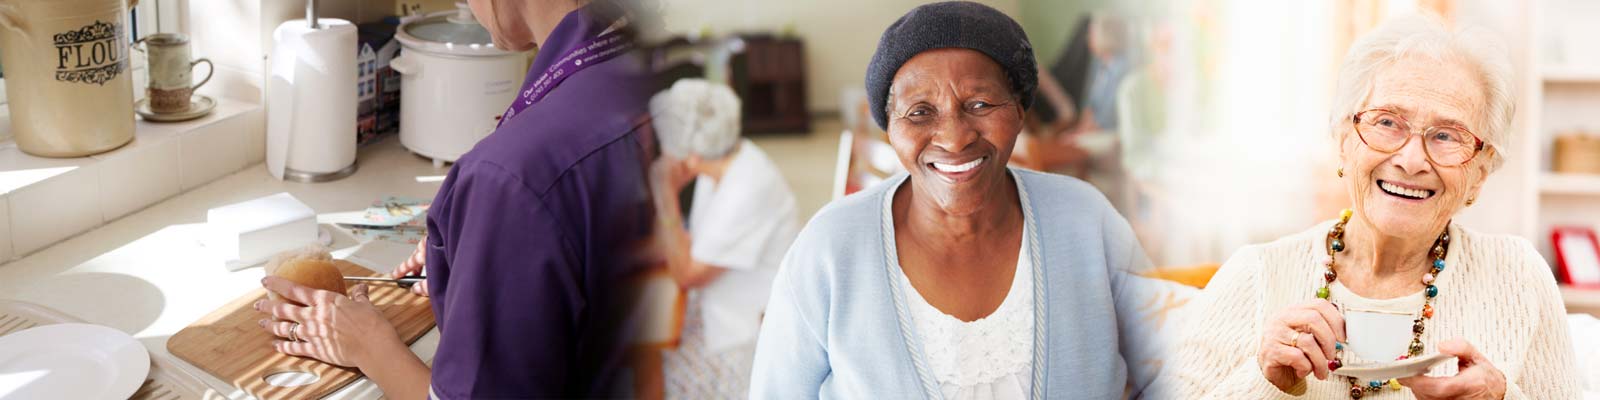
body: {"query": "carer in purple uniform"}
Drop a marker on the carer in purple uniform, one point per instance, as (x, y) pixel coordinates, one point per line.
(530, 238)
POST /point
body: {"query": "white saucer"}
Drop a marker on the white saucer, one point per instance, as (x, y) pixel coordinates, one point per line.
(71, 361)
(199, 106)
(1384, 371)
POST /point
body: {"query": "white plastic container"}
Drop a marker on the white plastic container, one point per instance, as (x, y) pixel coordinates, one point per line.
(454, 84)
(249, 232)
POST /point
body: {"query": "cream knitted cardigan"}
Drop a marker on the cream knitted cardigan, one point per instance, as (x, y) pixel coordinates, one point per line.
(1496, 292)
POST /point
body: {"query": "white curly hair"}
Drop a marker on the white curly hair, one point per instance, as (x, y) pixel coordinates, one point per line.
(696, 118)
(1411, 36)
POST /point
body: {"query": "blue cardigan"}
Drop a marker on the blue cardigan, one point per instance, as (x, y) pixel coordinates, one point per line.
(838, 325)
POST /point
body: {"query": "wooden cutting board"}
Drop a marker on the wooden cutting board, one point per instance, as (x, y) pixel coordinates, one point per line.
(230, 345)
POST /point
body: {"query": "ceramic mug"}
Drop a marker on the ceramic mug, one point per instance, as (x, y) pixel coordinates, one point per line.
(1376, 335)
(170, 67)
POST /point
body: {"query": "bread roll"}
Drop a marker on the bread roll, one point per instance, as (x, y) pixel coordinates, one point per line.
(311, 267)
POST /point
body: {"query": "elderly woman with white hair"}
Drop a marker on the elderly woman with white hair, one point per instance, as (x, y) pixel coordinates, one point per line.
(1419, 118)
(741, 221)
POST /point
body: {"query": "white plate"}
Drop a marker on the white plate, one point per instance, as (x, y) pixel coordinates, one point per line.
(71, 361)
(1389, 370)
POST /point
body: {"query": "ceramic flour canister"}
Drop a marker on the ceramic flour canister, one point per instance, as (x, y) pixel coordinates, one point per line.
(67, 75)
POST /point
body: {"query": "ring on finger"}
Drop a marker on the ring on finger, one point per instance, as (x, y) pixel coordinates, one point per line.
(1293, 340)
(294, 334)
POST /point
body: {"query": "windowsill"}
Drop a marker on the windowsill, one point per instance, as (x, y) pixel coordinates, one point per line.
(45, 200)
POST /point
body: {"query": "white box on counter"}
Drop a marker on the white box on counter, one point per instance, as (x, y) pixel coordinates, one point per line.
(250, 232)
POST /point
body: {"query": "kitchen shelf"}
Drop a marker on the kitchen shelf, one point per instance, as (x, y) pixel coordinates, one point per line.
(1570, 184)
(1567, 74)
(1581, 300)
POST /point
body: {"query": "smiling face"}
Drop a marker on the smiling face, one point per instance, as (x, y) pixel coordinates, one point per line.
(953, 120)
(1402, 193)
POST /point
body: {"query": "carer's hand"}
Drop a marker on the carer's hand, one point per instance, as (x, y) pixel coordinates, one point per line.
(333, 328)
(1476, 378)
(413, 266)
(1299, 341)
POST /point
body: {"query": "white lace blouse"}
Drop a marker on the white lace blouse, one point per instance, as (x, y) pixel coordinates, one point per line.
(988, 358)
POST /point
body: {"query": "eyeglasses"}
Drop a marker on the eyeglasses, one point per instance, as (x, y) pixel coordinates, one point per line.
(1445, 145)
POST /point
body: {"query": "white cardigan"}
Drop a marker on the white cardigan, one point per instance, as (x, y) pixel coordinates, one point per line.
(1496, 292)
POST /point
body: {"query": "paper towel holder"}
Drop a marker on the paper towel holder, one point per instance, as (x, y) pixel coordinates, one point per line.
(311, 14)
(281, 139)
(290, 174)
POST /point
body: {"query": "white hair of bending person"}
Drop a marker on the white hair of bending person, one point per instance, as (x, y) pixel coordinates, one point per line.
(1410, 37)
(696, 118)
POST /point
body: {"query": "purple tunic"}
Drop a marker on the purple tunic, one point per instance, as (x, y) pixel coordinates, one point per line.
(530, 237)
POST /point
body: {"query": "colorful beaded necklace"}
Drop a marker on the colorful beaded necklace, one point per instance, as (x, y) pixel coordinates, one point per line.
(1335, 244)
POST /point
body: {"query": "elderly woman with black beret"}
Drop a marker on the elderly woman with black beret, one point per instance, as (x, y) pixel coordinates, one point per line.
(961, 278)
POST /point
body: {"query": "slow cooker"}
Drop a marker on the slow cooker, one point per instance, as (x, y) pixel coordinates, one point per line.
(454, 83)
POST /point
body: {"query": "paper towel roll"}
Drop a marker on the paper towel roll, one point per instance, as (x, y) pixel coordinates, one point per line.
(311, 98)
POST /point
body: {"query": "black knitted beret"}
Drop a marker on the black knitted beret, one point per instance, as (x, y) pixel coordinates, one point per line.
(958, 24)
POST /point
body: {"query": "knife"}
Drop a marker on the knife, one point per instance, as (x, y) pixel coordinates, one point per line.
(397, 228)
(404, 282)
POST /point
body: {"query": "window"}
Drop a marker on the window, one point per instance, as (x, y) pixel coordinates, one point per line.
(2, 88)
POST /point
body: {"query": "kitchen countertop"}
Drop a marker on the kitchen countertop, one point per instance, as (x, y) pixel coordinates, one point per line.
(146, 274)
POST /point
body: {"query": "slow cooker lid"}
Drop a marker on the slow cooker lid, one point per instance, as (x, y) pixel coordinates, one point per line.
(450, 28)
(449, 32)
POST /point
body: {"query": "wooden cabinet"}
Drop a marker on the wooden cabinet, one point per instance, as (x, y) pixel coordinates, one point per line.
(770, 78)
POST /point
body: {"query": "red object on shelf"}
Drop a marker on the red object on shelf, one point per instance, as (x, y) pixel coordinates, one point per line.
(1591, 280)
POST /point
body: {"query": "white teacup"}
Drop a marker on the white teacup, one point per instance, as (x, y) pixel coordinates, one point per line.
(1377, 336)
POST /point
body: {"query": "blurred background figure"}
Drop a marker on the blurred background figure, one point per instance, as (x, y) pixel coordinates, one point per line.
(741, 219)
(1110, 62)
(1073, 133)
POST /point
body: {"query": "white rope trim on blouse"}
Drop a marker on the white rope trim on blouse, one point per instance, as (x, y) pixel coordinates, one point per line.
(1039, 303)
(902, 313)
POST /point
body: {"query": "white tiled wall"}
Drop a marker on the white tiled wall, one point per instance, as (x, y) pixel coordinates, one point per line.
(55, 209)
(218, 149)
(19, 170)
(237, 35)
(138, 175)
(46, 200)
(235, 83)
(254, 139)
(50, 198)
